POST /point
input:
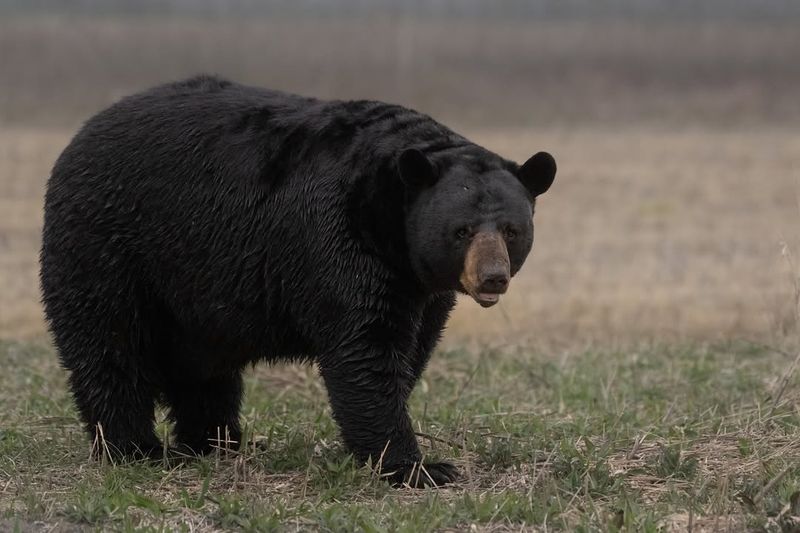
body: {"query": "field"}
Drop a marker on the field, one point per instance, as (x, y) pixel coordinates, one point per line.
(641, 373)
(647, 234)
(658, 437)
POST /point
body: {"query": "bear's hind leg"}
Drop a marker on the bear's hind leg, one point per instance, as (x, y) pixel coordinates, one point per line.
(206, 413)
(116, 402)
(103, 328)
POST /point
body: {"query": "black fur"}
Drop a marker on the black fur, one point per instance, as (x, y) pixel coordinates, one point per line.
(204, 225)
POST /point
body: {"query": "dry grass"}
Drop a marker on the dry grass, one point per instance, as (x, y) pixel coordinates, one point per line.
(655, 233)
(675, 140)
(647, 233)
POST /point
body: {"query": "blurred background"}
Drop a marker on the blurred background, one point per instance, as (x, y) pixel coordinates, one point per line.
(676, 125)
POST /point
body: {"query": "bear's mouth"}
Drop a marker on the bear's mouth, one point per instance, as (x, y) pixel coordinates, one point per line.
(486, 299)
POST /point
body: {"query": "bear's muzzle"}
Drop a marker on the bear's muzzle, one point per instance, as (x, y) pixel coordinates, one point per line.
(487, 269)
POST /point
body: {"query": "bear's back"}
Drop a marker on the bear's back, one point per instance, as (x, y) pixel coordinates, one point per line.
(231, 129)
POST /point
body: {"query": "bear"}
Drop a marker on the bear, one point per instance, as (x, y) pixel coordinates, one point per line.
(202, 226)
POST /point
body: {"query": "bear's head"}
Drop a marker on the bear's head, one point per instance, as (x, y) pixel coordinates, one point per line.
(469, 223)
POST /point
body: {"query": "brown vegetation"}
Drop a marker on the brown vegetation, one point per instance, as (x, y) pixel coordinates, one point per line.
(677, 178)
(646, 233)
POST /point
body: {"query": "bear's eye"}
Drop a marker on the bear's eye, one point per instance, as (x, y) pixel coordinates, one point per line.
(462, 233)
(509, 233)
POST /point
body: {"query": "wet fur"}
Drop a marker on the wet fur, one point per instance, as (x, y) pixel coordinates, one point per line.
(201, 226)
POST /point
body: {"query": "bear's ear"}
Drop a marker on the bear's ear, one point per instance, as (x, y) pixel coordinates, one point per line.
(415, 169)
(538, 173)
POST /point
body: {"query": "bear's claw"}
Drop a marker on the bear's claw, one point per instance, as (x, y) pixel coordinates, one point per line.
(419, 476)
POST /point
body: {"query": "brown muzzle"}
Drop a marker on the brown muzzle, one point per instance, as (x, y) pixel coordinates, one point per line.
(487, 269)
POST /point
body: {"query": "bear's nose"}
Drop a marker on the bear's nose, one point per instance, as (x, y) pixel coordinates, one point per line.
(494, 282)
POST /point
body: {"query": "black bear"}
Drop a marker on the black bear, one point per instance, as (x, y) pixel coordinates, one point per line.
(201, 226)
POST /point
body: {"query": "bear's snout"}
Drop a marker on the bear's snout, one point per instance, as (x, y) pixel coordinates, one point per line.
(487, 269)
(494, 280)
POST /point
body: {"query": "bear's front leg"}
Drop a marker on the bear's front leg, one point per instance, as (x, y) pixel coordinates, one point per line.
(368, 390)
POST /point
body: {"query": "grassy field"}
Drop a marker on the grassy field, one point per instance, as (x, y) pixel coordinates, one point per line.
(705, 437)
(640, 375)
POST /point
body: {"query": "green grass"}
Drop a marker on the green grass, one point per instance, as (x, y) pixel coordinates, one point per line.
(647, 439)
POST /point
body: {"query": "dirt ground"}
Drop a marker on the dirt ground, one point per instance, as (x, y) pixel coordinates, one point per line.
(647, 233)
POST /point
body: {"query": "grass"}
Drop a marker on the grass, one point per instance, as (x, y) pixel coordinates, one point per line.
(659, 437)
